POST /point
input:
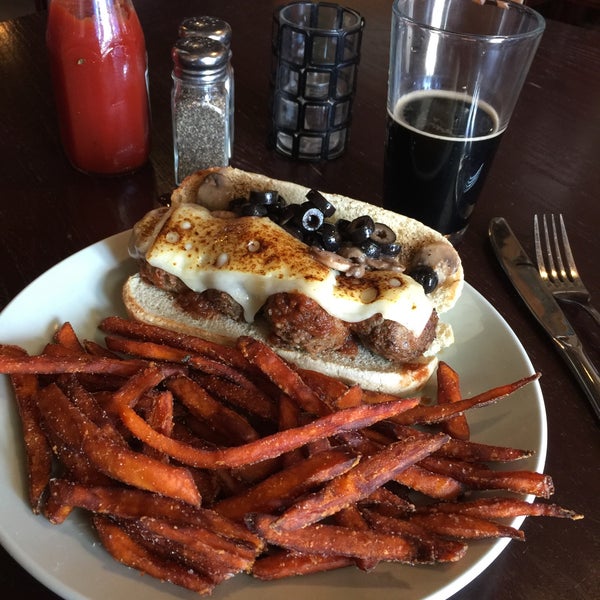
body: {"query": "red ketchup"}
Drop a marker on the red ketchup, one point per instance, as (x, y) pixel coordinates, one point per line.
(98, 63)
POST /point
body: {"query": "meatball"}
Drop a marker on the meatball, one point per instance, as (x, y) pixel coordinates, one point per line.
(161, 279)
(209, 303)
(199, 304)
(392, 340)
(300, 322)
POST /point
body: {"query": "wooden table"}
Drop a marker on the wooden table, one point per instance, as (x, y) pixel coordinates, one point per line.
(547, 162)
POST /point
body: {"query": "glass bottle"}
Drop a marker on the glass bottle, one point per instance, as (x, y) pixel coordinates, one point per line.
(98, 63)
(200, 105)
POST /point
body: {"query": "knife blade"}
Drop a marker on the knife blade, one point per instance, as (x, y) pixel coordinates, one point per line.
(524, 276)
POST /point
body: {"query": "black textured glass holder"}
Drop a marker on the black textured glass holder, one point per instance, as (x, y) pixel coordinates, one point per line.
(316, 51)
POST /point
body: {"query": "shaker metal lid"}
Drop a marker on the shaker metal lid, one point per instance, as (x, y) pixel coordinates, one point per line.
(193, 55)
(211, 27)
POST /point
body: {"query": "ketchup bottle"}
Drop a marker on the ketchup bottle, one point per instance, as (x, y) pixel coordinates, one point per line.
(98, 63)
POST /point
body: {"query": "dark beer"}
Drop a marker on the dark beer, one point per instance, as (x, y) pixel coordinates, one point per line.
(439, 148)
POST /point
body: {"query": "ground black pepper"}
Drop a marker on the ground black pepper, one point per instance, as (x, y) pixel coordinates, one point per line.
(201, 105)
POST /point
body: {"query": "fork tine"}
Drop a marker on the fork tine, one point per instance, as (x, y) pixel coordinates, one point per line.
(562, 274)
(572, 273)
(538, 249)
(553, 274)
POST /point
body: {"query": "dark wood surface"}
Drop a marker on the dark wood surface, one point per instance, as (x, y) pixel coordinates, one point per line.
(547, 162)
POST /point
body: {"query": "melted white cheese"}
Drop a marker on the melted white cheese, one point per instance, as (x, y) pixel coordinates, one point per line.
(252, 258)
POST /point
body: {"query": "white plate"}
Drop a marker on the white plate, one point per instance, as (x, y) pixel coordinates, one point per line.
(68, 559)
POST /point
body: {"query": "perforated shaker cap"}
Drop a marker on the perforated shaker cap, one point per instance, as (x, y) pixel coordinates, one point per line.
(211, 27)
(198, 56)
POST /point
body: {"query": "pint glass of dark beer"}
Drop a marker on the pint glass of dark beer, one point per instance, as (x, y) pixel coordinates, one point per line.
(456, 70)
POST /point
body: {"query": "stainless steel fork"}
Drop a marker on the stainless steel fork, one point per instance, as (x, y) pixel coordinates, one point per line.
(565, 283)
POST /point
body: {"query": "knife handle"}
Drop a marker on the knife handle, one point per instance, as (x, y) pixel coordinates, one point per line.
(583, 369)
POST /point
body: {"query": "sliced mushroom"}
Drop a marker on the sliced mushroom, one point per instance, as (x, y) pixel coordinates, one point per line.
(442, 258)
(215, 191)
(331, 259)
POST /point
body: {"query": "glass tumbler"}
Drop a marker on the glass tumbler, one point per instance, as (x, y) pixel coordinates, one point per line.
(456, 71)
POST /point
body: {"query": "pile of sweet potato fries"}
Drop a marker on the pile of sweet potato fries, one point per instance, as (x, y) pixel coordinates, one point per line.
(198, 461)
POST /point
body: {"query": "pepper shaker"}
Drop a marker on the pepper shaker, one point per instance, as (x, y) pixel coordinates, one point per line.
(200, 105)
(215, 29)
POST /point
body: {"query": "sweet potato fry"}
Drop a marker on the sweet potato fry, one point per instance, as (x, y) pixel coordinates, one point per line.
(225, 421)
(353, 396)
(415, 477)
(159, 415)
(153, 333)
(466, 450)
(109, 457)
(448, 390)
(158, 352)
(44, 364)
(289, 413)
(38, 452)
(332, 540)
(464, 527)
(281, 488)
(129, 552)
(140, 383)
(160, 412)
(65, 336)
(356, 484)
(216, 566)
(433, 485)
(521, 482)
(284, 563)
(433, 547)
(96, 349)
(326, 387)
(388, 501)
(267, 447)
(351, 518)
(88, 405)
(253, 401)
(438, 413)
(131, 503)
(282, 375)
(500, 508)
(199, 539)
(289, 417)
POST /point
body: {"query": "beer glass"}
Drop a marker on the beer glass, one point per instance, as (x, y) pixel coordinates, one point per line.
(455, 74)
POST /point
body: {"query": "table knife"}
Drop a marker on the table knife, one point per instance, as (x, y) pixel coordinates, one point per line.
(524, 275)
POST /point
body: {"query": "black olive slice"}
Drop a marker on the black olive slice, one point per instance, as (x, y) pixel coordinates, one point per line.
(330, 238)
(294, 230)
(236, 203)
(267, 197)
(426, 276)
(360, 229)
(310, 217)
(342, 226)
(287, 214)
(250, 209)
(392, 249)
(371, 249)
(383, 234)
(319, 201)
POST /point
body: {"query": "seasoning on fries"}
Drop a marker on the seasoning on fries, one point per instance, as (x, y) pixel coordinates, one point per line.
(197, 462)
